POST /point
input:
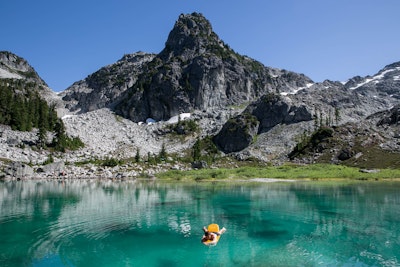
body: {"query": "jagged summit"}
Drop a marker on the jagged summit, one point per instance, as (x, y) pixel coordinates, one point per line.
(395, 65)
(15, 67)
(382, 85)
(19, 75)
(191, 35)
(197, 71)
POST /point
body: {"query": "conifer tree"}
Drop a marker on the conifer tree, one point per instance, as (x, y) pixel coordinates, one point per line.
(41, 137)
(162, 156)
(337, 115)
(196, 154)
(137, 156)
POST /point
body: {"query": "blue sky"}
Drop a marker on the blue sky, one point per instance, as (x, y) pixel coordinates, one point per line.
(325, 39)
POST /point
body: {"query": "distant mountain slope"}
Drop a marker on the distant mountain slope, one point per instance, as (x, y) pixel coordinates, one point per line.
(15, 67)
(26, 102)
(18, 73)
(104, 87)
(383, 84)
(362, 106)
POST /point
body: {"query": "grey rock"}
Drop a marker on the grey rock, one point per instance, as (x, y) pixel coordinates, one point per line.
(197, 71)
(104, 87)
(55, 167)
(272, 109)
(19, 170)
(199, 164)
(369, 170)
(388, 117)
(345, 154)
(238, 133)
(259, 117)
(18, 69)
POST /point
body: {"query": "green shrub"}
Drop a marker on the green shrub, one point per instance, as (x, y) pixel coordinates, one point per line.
(110, 162)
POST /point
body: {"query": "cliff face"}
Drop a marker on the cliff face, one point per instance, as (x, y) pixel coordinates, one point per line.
(259, 117)
(197, 71)
(104, 87)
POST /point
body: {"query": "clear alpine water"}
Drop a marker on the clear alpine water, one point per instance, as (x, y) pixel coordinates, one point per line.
(94, 223)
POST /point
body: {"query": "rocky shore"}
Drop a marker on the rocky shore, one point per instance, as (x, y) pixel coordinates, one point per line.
(58, 170)
(106, 136)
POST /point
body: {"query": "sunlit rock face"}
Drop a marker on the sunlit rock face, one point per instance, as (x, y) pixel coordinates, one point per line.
(104, 87)
(195, 70)
(260, 117)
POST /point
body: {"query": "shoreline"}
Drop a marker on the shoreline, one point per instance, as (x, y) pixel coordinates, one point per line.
(270, 180)
(179, 172)
(262, 180)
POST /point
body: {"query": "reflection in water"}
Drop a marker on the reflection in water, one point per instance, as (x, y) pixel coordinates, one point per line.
(93, 223)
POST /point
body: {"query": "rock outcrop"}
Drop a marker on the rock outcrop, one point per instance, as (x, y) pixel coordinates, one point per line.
(272, 109)
(104, 87)
(383, 84)
(19, 170)
(237, 133)
(260, 117)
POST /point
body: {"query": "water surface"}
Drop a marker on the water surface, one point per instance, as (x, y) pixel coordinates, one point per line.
(93, 223)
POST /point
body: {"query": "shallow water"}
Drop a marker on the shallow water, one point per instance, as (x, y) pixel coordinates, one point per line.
(92, 223)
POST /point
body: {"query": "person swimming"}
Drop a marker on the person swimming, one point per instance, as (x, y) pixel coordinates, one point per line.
(211, 237)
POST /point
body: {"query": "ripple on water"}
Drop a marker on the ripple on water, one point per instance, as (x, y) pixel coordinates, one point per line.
(268, 227)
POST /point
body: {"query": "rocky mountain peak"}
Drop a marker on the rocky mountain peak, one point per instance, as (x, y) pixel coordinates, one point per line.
(395, 65)
(383, 85)
(13, 61)
(253, 111)
(191, 34)
(197, 71)
(15, 67)
(19, 76)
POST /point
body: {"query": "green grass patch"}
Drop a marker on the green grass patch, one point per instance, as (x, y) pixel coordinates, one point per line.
(287, 171)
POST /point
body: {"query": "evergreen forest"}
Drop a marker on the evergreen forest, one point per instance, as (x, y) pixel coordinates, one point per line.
(22, 108)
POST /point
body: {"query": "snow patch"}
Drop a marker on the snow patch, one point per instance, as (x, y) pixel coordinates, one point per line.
(295, 91)
(68, 116)
(376, 79)
(182, 116)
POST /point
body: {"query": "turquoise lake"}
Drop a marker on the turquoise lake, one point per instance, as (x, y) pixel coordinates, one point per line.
(94, 223)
